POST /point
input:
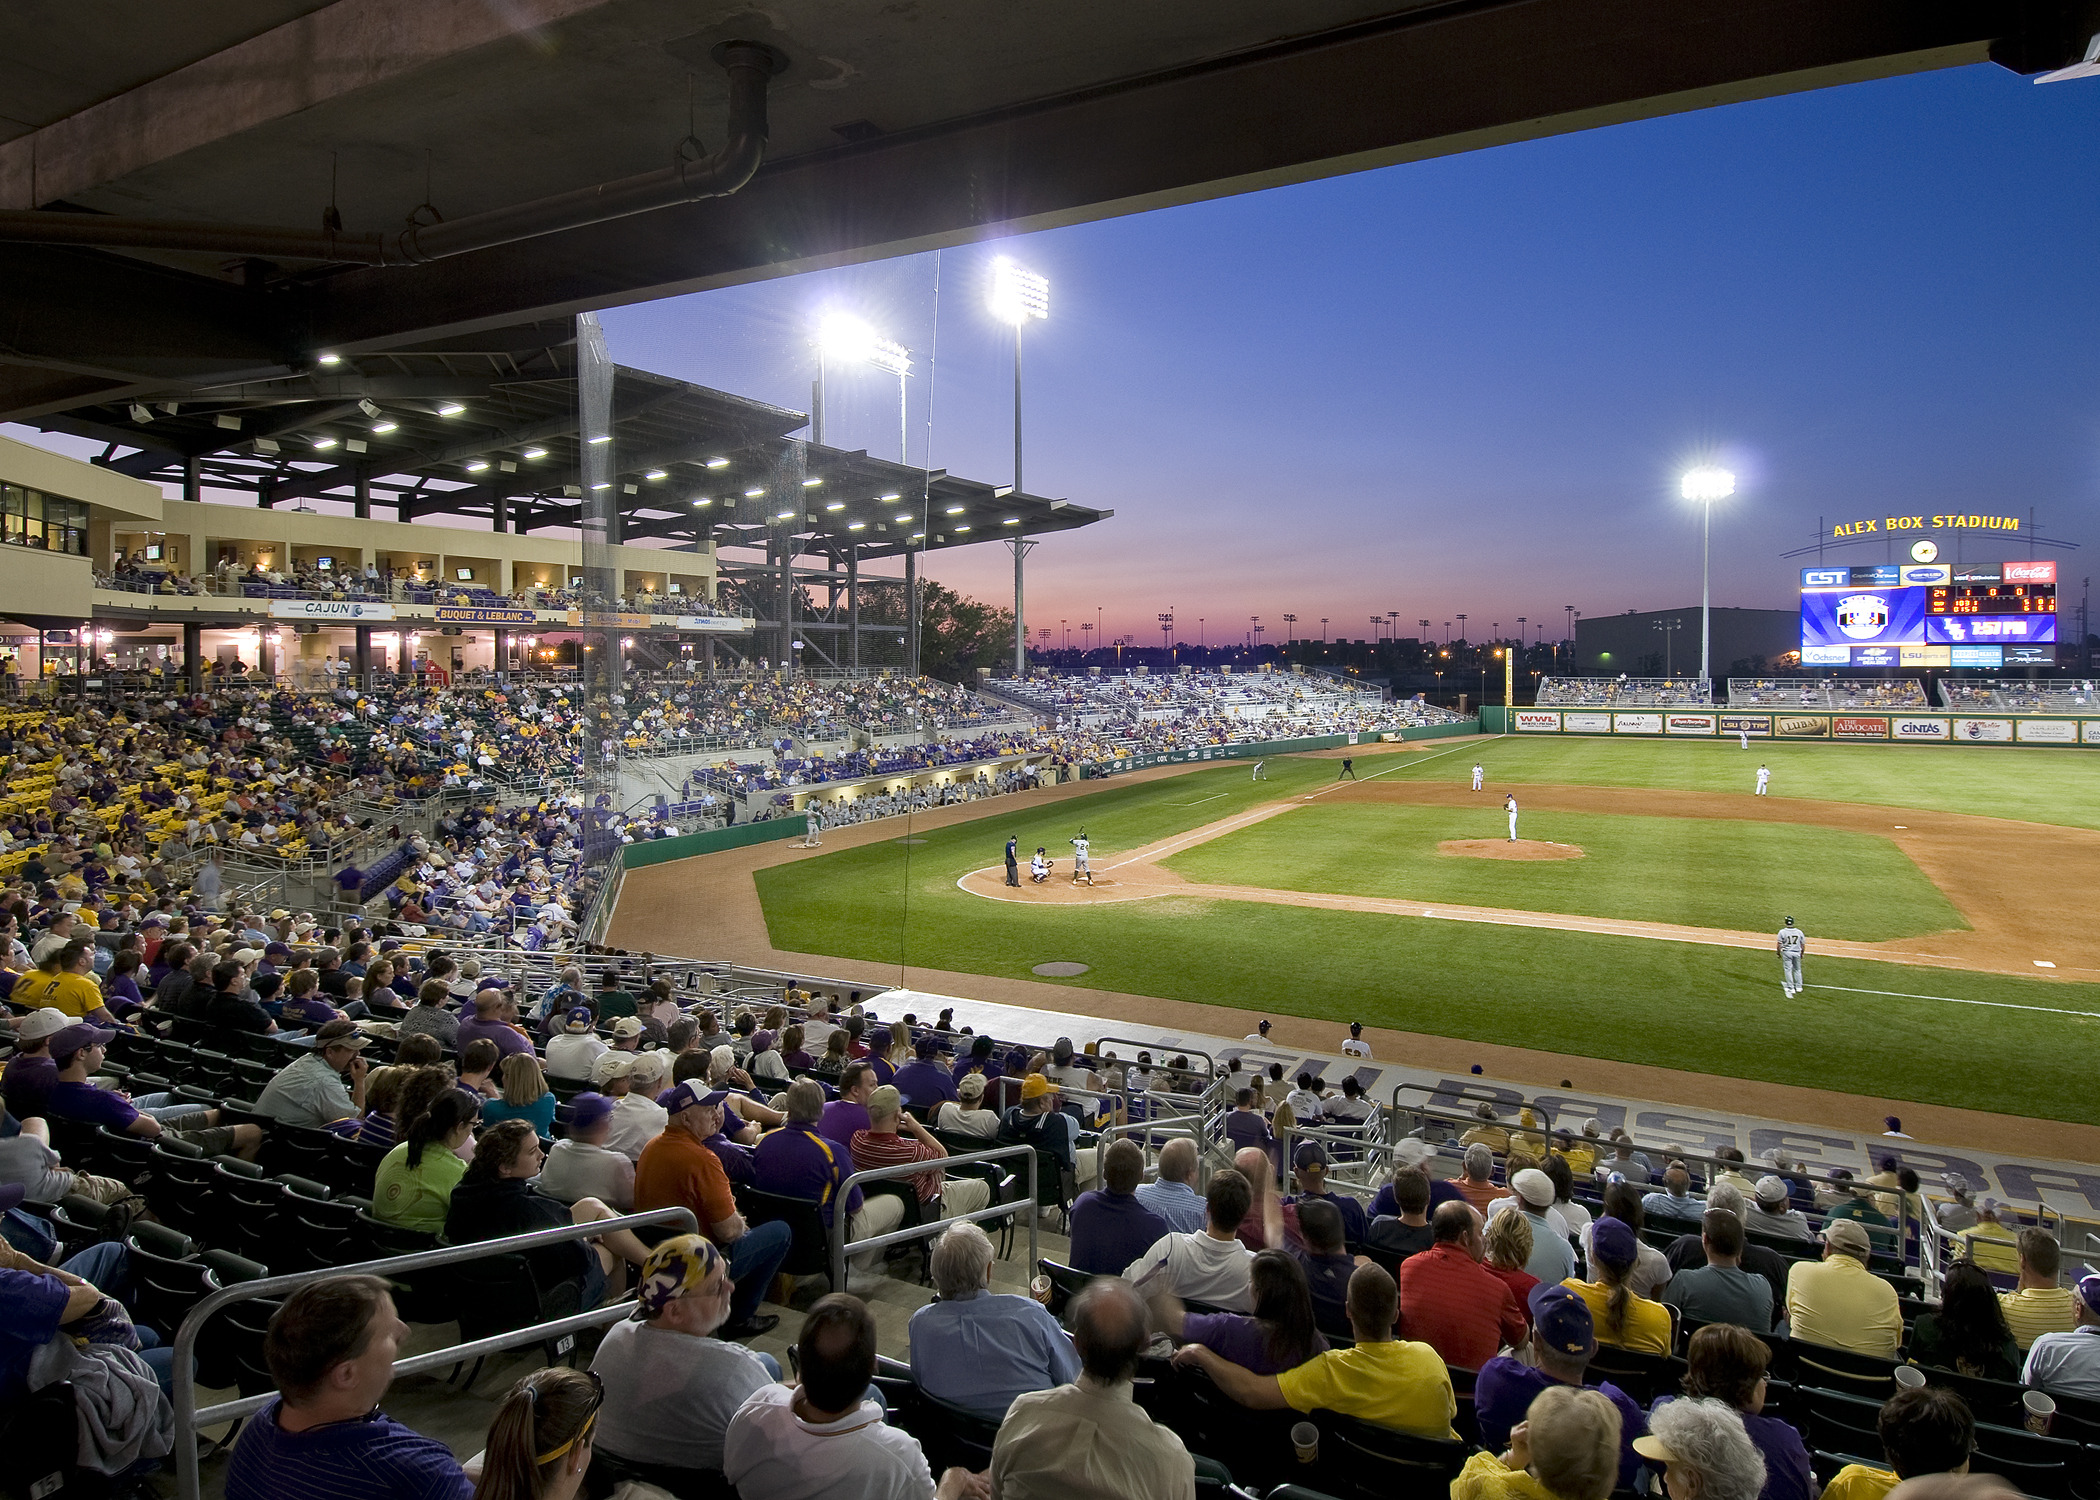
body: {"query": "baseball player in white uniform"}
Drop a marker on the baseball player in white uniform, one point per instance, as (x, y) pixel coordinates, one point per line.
(1039, 866)
(813, 837)
(1479, 776)
(1792, 944)
(1509, 805)
(1764, 777)
(1354, 1045)
(1080, 867)
(1745, 736)
(1259, 773)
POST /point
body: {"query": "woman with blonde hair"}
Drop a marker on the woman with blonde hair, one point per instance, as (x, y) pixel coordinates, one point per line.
(539, 1443)
(1566, 1448)
(525, 1096)
(1508, 1248)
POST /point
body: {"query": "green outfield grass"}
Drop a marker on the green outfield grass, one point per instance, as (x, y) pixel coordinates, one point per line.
(2013, 781)
(1838, 884)
(1678, 1005)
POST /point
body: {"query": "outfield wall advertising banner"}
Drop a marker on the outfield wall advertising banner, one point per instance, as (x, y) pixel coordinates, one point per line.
(1689, 723)
(1537, 721)
(1987, 730)
(1757, 726)
(1586, 723)
(1636, 723)
(1919, 729)
(2047, 732)
(1802, 727)
(1859, 729)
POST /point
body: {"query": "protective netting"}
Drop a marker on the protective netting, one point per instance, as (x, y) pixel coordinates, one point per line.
(598, 524)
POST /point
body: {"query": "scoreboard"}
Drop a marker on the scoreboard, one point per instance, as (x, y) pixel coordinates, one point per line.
(1936, 615)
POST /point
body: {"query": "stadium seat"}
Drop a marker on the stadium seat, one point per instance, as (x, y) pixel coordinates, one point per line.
(1362, 1461)
(1066, 1282)
(1641, 1376)
(809, 1248)
(609, 1470)
(2041, 1468)
(1840, 1369)
(1840, 1422)
(40, 1436)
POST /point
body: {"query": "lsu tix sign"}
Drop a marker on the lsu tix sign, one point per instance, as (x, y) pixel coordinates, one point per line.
(1754, 725)
(1993, 731)
(1537, 721)
(1636, 723)
(2046, 732)
(1919, 729)
(1801, 727)
(1859, 729)
(1586, 723)
(1689, 723)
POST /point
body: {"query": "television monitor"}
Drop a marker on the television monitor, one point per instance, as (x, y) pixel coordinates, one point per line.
(323, 564)
(153, 552)
(465, 575)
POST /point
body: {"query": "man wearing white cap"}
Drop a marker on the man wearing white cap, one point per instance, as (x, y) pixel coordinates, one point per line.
(637, 1118)
(1769, 1214)
(1552, 1257)
(31, 1073)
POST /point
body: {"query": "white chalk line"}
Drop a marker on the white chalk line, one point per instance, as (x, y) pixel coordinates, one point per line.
(2053, 1010)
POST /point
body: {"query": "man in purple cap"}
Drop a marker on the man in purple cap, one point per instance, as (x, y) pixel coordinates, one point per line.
(1563, 1338)
(78, 1051)
(581, 1165)
(925, 1083)
(2068, 1364)
(576, 1047)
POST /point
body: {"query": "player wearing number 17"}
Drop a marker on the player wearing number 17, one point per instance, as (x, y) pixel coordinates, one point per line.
(1793, 942)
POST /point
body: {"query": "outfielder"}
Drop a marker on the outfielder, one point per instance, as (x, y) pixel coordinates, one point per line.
(1509, 805)
(813, 832)
(1259, 773)
(1348, 768)
(1792, 944)
(1746, 737)
(1764, 777)
(1080, 867)
(1479, 776)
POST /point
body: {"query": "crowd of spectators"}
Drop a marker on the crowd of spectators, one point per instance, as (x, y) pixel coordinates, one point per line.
(1888, 694)
(1624, 692)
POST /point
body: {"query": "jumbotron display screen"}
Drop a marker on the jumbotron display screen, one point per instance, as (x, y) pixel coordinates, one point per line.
(1928, 615)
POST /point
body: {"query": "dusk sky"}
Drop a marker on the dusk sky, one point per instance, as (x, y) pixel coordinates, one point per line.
(1472, 383)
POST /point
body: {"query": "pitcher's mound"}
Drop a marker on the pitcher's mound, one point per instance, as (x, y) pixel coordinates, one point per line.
(1508, 849)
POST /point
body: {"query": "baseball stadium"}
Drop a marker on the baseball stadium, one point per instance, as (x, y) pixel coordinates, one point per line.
(564, 937)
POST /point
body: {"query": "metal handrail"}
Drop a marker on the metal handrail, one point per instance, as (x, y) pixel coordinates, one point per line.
(1167, 1125)
(184, 1348)
(938, 1226)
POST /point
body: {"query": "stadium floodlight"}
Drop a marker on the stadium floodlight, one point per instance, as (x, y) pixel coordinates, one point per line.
(846, 339)
(1017, 297)
(1706, 484)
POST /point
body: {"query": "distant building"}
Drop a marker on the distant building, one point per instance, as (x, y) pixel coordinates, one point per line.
(1746, 643)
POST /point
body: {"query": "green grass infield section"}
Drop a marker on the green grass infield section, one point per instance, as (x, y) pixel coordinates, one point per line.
(1698, 872)
(1904, 1032)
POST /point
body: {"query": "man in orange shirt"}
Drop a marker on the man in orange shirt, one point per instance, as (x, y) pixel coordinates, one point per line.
(678, 1170)
(1476, 1183)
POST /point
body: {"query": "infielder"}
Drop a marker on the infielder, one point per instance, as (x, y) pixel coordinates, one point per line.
(1792, 944)
(1479, 776)
(813, 832)
(1509, 805)
(1348, 769)
(1080, 867)
(1259, 773)
(1764, 777)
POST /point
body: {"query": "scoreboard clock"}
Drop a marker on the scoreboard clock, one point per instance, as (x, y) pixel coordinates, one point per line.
(1991, 599)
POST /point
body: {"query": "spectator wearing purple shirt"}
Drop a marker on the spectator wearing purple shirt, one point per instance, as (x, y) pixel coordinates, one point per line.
(849, 1112)
(1563, 1340)
(978, 1060)
(1279, 1336)
(1412, 1155)
(735, 1158)
(796, 1161)
(1110, 1228)
(487, 1024)
(925, 1084)
(1245, 1127)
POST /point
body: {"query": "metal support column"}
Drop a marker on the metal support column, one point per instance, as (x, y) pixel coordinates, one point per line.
(911, 612)
(499, 509)
(1020, 549)
(266, 650)
(361, 502)
(264, 500)
(192, 481)
(853, 604)
(192, 656)
(363, 634)
(502, 652)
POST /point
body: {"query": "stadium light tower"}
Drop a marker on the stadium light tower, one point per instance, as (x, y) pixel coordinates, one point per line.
(1706, 485)
(1018, 297)
(1166, 632)
(848, 340)
(1461, 627)
(1290, 633)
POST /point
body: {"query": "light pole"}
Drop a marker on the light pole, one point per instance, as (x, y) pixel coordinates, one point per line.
(1258, 627)
(1166, 634)
(843, 337)
(1669, 629)
(1323, 630)
(1064, 637)
(1290, 635)
(1017, 297)
(1461, 627)
(1706, 485)
(1086, 636)
(1377, 624)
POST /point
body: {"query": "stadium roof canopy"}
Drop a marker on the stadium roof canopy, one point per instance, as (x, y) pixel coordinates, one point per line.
(222, 190)
(486, 426)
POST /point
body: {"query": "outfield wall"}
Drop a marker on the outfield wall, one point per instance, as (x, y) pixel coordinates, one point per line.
(1256, 749)
(1923, 728)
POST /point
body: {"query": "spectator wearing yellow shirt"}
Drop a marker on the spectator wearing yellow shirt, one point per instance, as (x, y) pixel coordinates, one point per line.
(63, 980)
(1928, 1430)
(1990, 1244)
(2038, 1305)
(1623, 1320)
(1580, 1152)
(1838, 1302)
(1488, 1132)
(1566, 1448)
(1387, 1381)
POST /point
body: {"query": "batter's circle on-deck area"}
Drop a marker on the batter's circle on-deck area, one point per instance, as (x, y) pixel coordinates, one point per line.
(1059, 970)
(1525, 849)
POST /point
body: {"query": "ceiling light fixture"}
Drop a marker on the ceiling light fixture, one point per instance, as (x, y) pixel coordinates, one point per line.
(381, 429)
(892, 495)
(477, 465)
(603, 484)
(141, 412)
(955, 510)
(810, 484)
(655, 474)
(450, 409)
(783, 515)
(718, 463)
(533, 453)
(330, 358)
(325, 442)
(858, 526)
(602, 437)
(753, 494)
(836, 505)
(368, 406)
(905, 517)
(701, 502)
(1011, 521)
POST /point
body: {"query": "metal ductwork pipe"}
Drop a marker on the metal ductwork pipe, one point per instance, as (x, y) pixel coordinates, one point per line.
(750, 66)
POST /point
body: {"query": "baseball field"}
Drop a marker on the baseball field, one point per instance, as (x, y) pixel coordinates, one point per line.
(1945, 892)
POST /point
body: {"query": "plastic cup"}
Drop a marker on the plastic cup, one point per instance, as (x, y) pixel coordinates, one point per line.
(1040, 1289)
(1305, 1438)
(1910, 1377)
(2040, 1411)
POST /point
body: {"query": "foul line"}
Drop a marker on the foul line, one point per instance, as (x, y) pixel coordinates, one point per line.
(1398, 765)
(1208, 832)
(1199, 801)
(2051, 1010)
